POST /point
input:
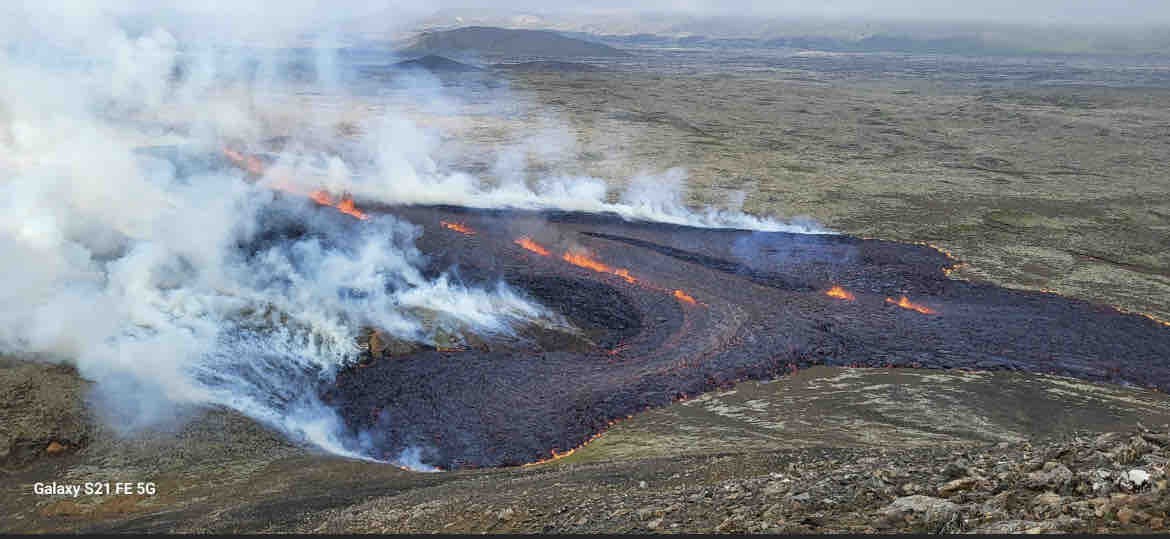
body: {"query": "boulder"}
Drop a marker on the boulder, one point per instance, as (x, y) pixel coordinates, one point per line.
(1053, 476)
(1134, 480)
(925, 509)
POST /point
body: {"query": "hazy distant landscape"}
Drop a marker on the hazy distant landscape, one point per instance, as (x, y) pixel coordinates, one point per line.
(1023, 37)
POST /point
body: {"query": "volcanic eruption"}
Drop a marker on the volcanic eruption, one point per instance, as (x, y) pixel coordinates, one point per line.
(511, 405)
(636, 336)
(496, 324)
(629, 289)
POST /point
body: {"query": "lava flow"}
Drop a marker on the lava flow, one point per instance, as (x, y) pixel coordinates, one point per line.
(905, 303)
(249, 163)
(532, 246)
(840, 293)
(458, 227)
(255, 167)
(515, 396)
(584, 261)
(345, 205)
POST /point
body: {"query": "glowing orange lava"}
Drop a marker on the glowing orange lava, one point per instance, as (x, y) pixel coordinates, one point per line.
(905, 303)
(840, 293)
(348, 207)
(1156, 319)
(345, 205)
(249, 163)
(252, 165)
(322, 198)
(557, 455)
(527, 243)
(684, 297)
(458, 227)
(583, 261)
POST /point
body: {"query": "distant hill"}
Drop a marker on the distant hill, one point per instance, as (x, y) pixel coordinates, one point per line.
(485, 40)
(959, 44)
(548, 66)
(436, 63)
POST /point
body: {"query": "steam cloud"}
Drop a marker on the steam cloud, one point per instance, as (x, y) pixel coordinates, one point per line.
(166, 283)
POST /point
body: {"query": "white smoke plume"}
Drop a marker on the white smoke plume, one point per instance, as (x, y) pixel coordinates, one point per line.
(158, 281)
(406, 172)
(133, 270)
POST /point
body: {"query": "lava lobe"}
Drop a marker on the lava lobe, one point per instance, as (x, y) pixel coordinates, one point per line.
(664, 312)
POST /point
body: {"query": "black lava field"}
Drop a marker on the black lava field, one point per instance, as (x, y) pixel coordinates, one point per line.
(666, 312)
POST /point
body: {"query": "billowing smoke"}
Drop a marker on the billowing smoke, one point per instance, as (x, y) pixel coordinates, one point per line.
(173, 282)
(406, 172)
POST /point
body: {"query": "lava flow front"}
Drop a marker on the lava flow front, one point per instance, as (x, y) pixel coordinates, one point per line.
(525, 396)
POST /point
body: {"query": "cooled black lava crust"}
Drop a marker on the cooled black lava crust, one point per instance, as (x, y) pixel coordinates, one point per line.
(761, 312)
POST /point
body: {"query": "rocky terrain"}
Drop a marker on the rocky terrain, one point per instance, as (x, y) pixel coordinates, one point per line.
(1112, 482)
(825, 450)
